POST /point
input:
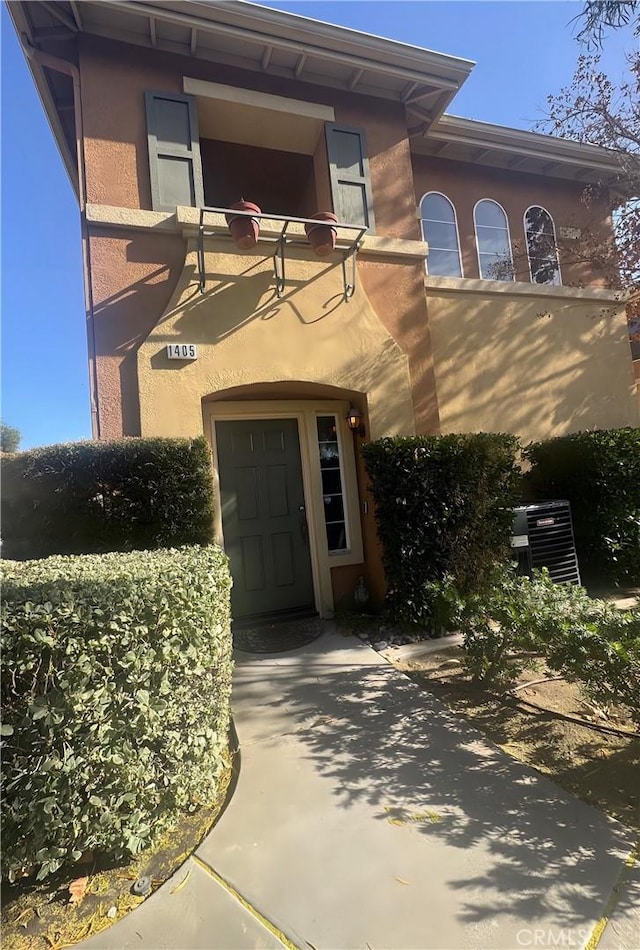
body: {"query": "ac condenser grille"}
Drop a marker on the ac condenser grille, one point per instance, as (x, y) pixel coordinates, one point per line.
(551, 542)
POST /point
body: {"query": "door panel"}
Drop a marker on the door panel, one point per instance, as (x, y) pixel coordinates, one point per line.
(263, 517)
(247, 493)
(277, 497)
(252, 553)
(283, 558)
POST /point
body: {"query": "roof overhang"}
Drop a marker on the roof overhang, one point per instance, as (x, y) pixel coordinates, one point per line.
(497, 146)
(248, 36)
(270, 42)
(54, 89)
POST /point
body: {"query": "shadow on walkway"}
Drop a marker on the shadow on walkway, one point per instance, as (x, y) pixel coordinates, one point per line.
(383, 742)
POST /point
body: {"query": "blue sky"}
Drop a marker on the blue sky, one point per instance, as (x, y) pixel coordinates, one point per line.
(523, 51)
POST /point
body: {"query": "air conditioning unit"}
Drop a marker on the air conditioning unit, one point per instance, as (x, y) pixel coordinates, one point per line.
(543, 537)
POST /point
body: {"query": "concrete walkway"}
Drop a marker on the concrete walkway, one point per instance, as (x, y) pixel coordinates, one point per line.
(367, 816)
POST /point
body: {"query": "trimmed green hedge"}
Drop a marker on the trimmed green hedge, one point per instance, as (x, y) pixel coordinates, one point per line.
(599, 473)
(116, 681)
(92, 497)
(443, 510)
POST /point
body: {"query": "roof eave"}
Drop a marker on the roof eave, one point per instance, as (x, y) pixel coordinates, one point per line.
(551, 152)
(350, 41)
(440, 74)
(22, 28)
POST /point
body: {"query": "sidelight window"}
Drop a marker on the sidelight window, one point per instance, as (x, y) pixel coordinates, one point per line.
(332, 483)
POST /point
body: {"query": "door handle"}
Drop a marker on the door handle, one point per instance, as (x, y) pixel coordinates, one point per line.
(304, 529)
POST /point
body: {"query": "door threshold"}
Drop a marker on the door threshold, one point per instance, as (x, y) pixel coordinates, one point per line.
(274, 617)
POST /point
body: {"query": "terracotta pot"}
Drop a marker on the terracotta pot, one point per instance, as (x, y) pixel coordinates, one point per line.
(244, 230)
(322, 237)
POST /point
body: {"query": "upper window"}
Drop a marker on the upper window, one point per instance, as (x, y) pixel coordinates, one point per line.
(440, 231)
(494, 244)
(542, 249)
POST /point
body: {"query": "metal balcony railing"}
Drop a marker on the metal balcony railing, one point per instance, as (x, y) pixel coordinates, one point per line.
(281, 242)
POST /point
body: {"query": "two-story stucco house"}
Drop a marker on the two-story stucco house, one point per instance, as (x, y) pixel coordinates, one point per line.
(423, 319)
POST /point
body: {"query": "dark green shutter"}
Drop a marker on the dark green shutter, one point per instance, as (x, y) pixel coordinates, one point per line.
(349, 171)
(174, 151)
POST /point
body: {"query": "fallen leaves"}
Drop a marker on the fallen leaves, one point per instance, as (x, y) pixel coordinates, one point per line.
(77, 890)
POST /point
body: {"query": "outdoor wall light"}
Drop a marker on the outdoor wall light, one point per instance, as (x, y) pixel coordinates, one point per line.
(354, 421)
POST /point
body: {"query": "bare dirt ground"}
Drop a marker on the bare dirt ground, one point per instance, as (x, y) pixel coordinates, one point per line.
(599, 767)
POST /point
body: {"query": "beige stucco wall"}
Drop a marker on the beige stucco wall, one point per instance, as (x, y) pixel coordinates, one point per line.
(246, 335)
(537, 363)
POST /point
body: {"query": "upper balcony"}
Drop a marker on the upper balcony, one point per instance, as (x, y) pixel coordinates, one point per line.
(215, 145)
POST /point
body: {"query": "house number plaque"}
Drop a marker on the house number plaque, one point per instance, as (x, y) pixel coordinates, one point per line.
(182, 351)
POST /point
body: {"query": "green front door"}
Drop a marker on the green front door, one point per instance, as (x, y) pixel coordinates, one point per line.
(263, 516)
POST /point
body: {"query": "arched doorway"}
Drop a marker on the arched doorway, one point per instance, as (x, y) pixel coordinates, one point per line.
(288, 509)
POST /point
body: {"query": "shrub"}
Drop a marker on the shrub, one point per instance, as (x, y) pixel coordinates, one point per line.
(587, 641)
(443, 510)
(604, 659)
(518, 616)
(599, 473)
(115, 682)
(92, 497)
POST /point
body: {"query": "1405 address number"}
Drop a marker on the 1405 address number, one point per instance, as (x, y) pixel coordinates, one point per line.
(182, 351)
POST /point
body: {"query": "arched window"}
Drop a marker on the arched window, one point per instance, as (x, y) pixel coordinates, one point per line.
(440, 231)
(542, 249)
(493, 240)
